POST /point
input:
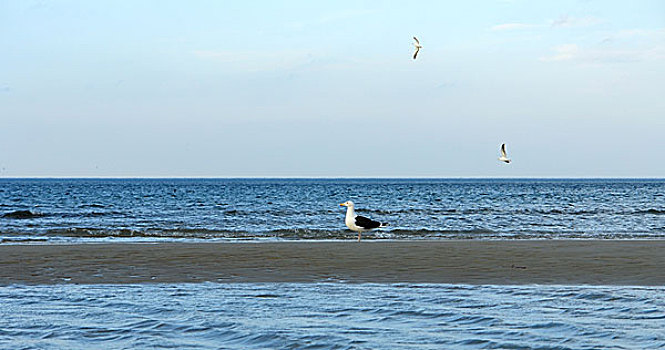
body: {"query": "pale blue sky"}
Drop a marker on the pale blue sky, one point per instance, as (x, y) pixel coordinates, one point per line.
(313, 88)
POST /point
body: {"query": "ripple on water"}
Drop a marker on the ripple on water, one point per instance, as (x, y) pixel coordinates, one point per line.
(333, 315)
(83, 210)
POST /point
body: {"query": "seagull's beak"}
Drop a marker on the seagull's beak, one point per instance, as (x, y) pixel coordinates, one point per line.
(342, 204)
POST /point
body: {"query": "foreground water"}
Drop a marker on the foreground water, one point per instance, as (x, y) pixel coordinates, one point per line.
(331, 316)
(204, 209)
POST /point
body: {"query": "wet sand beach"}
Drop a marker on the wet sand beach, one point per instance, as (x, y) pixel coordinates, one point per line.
(576, 262)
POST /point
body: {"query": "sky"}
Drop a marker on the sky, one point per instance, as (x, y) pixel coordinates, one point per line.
(329, 88)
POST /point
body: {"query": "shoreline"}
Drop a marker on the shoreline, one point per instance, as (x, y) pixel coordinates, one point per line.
(638, 262)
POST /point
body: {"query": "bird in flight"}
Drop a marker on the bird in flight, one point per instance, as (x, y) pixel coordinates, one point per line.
(418, 47)
(504, 157)
(359, 223)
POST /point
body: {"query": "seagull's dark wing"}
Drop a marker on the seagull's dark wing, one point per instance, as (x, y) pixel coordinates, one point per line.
(416, 39)
(415, 53)
(366, 223)
(503, 149)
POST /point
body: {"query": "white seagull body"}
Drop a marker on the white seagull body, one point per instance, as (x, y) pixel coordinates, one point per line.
(418, 47)
(504, 157)
(359, 223)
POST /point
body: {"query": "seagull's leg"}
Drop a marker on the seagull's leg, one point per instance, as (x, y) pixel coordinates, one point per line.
(359, 232)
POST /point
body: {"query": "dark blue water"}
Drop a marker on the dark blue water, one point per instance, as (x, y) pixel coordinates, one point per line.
(193, 209)
(331, 316)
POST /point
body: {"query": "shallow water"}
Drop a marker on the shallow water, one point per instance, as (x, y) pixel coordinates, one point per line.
(72, 210)
(331, 316)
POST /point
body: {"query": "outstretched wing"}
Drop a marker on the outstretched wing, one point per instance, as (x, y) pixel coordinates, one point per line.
(503, 150)
(366, 223)
(416, 39)
(415, 54)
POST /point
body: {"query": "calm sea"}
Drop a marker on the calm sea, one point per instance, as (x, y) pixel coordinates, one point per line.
(72, 210)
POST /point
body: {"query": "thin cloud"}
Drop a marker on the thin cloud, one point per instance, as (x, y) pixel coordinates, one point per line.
(566, 22)
(562, 22)
(563, 53)
(512, 26)
(573, 53)
(623, 46)
(651, 34)
(635, 37)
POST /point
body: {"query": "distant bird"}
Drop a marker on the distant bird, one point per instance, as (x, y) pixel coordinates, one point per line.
(418, 47)
(359, 223)
(504, 157)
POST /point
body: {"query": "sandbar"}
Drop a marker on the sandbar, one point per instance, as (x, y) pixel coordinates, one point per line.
(502, 262)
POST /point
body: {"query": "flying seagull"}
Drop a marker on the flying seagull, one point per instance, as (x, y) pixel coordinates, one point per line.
(359, 223)
(504, 157)
(418, 47)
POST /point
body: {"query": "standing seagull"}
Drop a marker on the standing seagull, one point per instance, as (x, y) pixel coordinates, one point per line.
(504, 157)
(418, 47)
(359, 223)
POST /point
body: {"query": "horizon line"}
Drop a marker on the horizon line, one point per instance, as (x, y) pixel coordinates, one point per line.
(331, 177)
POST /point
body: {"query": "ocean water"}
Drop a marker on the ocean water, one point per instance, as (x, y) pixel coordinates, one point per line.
(72, 210)
(328, 315)
(331, 316)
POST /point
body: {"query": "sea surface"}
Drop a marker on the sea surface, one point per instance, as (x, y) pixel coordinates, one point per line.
(90, 210)
(330, 316)
(66, 210)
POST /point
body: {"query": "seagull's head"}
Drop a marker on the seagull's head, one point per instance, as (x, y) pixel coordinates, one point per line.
(347, 204)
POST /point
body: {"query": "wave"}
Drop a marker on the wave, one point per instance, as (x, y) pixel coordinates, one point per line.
(653, 211)
(89, 214)
(377, 213)
(22, 214)
(193, 233)
(93, 205)
(27, 214)
(295, 233)
(517, 211)
(592, 211)
(319, 234)
(430, 211)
